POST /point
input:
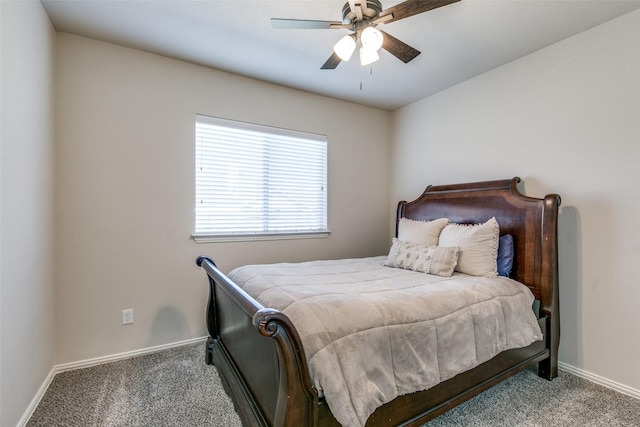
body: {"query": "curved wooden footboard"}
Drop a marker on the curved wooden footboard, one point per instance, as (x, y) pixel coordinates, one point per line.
(260, 355)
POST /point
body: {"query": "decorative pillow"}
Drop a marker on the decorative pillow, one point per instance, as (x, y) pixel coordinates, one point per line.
(505, 255)
(423, 232)
(436, 260)
(478, 246)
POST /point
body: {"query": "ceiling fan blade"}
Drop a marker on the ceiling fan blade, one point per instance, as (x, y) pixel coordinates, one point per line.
(303, 24)
(331, 63)
(413, 7)
(397, 48)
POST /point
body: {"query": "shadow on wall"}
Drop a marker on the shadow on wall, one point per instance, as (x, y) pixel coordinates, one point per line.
(170, 325)
(570, 284)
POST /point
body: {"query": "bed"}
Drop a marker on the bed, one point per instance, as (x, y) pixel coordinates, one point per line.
(259, 353)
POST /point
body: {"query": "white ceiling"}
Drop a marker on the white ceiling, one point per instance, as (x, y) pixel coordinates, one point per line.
(458, 41)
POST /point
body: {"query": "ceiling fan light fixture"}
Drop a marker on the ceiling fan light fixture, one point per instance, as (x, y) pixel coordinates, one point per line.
(362, 17)
(345, 47)
(368, 55)
(371, 38)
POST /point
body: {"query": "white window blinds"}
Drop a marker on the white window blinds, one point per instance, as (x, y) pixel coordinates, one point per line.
(257, 180)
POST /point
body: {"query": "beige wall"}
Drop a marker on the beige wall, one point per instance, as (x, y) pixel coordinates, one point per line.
(26, 209)
(125, 190)
(566, 120)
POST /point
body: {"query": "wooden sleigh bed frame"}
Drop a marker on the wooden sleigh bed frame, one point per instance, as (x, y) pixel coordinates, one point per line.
(260, 357)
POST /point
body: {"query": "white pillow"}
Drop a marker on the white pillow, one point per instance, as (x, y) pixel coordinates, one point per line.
(422, 232)
(478, 246)
(436, 260)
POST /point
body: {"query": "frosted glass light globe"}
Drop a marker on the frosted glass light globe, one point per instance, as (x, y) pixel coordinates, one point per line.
(368, 55)
(371, 38)
(345, 47)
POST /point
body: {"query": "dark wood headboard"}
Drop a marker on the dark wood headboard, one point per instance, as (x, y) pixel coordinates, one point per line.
(531, 221)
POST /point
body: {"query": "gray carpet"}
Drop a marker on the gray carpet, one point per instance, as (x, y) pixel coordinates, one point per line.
(176, 388)
(169, 388)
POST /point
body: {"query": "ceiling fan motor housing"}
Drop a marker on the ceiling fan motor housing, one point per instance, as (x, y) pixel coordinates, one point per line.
(370, 9)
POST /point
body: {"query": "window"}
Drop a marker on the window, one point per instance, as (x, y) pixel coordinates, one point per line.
(255, 181)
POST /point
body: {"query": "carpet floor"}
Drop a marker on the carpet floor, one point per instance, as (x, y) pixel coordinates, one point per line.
(176, 388)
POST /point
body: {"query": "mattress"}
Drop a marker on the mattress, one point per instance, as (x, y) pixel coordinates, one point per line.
(371, 333)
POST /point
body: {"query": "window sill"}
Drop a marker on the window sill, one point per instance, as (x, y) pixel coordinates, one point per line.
(217, 238)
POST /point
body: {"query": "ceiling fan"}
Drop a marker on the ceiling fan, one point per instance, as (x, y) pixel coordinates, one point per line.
(362, 17)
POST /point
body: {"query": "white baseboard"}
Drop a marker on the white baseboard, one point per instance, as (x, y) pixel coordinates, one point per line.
(94, 362)
(621, 388)
(122, 356)
(36, 399)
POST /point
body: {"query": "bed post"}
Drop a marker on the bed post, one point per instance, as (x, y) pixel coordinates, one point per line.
(212, 326)
(549, 300)
(296, 400)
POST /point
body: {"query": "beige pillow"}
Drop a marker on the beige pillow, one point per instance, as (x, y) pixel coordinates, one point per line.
(478, 246)
(436, 260)
(423, 232)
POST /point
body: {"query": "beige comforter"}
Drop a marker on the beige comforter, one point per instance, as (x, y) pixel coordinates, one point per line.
(372, 333)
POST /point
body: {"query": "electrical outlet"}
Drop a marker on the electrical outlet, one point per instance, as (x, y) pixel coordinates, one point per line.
(127, 316)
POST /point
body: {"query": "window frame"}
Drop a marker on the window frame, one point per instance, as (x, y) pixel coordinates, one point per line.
(207, 237)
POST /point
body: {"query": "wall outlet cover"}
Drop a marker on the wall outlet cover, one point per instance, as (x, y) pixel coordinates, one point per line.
(127, 316)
